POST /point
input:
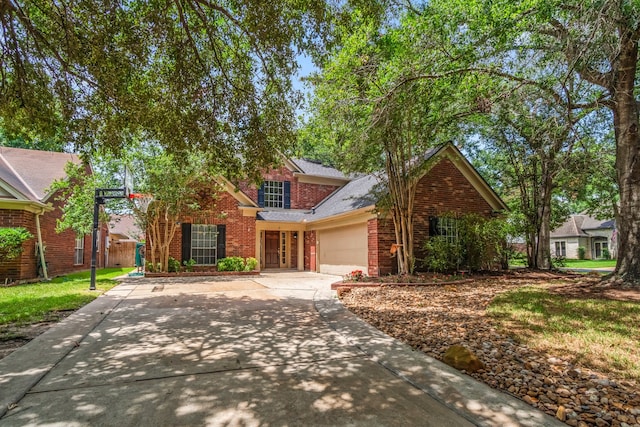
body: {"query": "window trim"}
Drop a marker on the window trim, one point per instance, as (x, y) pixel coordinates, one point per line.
(195, 242)
(78, 250)
(560, 248)
(274, 194)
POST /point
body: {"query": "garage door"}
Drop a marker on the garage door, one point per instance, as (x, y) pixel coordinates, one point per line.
(343, 249)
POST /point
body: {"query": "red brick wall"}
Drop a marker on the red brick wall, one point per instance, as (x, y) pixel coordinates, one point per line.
(309, 240)
(381, 235)
(23, 267)
(303, 195)
(443, 189)
(59, 248)
(240, 230)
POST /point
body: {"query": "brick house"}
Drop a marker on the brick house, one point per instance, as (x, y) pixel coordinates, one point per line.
(25, 176)
(306, 216)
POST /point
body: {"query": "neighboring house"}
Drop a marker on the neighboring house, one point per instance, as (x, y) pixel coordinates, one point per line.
(597, 237)
(306, 216)
(25, 176)
(124, 233)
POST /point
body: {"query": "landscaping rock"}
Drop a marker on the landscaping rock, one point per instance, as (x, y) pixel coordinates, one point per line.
(462, 358)
(432, 319)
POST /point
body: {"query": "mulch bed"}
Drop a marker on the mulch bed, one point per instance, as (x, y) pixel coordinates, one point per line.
(433, 318)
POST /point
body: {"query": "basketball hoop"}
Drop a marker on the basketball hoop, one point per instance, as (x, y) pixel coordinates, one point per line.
(142, 201)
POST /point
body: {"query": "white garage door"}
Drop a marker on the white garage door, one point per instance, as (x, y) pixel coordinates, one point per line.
(343, 249)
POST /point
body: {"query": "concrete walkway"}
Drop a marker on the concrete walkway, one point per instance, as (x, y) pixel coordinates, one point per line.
(273, 350)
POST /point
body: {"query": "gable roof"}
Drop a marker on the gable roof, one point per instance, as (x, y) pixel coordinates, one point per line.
(309, 167)
(27, 174)
(125, 225)
(579, 225)
(357, 193)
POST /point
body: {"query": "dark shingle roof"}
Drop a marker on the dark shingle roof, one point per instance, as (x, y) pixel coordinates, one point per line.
(283, 215)
(31, 172)
(577, 226)
(354, 195)
(309, 167)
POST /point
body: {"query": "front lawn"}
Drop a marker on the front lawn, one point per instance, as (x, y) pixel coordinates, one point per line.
(600, 333)
(38, 302)
(589, 263)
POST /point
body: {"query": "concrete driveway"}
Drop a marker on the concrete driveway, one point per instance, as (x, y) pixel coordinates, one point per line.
(274, 350)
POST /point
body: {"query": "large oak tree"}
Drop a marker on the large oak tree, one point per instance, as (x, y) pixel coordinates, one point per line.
(188, 74)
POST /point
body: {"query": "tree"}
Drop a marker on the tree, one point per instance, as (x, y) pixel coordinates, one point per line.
(532, 139)
(380, 114)
(594, 40)
(179, 187)
(187, 74)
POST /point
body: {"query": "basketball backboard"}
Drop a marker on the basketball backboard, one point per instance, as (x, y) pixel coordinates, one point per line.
(128, 182)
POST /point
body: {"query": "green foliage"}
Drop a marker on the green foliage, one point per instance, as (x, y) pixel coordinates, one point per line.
(250, 264)
(188, 75)
(558, 261)
(236, 263)
(582, 252)
(76, 191)
(442, 255)
(233, 263)
(11, 240)
(188, 264)
(481, 244)
(606, 254)
(173, 265)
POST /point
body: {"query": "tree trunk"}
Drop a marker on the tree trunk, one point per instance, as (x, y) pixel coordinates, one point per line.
(625, 116)
(543, 253)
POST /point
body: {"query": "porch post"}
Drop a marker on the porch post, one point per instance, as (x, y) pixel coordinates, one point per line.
(300, 240)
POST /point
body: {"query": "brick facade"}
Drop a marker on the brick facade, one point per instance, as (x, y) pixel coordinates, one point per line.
(380, 237)
(59, 247)
(309, 242)
(303, 195)
(443, 189)
(240, 230)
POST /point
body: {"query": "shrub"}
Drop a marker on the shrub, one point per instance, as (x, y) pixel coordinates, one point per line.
(233, 263)
(188, 265)
(480, 244)
(558, 261)
(442, 255)
(251, 264)
(11, 240)
(173, 265)
(581, 252)
(606, 254)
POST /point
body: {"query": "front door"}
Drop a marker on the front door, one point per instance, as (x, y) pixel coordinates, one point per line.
(271, 249)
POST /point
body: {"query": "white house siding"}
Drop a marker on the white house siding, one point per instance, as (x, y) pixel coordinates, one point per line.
(571, 244)
(343, 250)
(605, 233)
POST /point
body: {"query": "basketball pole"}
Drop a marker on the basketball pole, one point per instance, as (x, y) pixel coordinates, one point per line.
(100, 197)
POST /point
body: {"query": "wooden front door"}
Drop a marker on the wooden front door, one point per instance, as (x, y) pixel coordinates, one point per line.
(271, 249)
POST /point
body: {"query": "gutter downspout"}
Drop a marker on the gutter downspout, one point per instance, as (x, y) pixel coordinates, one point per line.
(42, 261)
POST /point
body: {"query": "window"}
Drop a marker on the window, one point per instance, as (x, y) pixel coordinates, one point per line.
(78, 258)
(561, 249)
(448, 228)
(204, 244)
(273, 194)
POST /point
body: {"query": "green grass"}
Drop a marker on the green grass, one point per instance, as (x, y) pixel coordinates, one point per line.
(598, 333)
(37, 302)
(588, 263)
